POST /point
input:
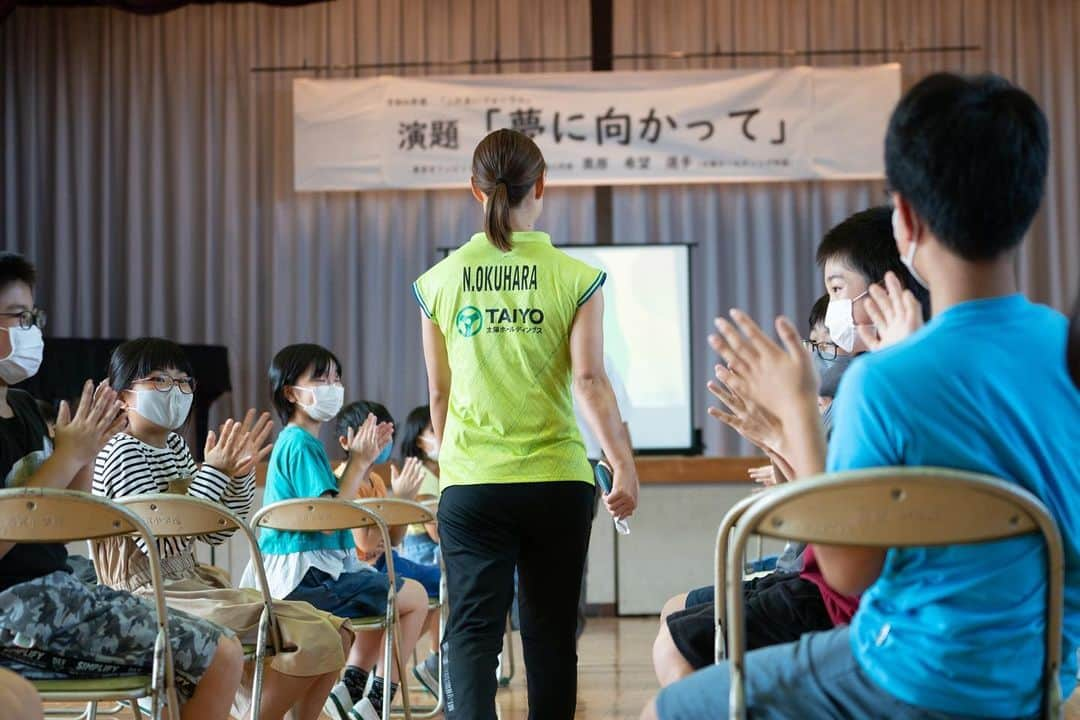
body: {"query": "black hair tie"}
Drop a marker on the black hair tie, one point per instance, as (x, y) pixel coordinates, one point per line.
(501, 181)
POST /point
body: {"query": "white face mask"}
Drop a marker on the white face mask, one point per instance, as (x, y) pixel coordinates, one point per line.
(907, 258)
(431, 447)
(165, 409)
(327, 403)
(840, 322)
(27, 349)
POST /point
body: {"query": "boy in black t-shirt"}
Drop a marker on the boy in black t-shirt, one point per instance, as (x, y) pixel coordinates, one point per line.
(51, 624)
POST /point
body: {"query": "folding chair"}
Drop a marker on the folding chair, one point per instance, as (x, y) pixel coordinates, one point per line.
(46, 515)
(326, 514)
(172, 515)
(889, 507)
(395, 512)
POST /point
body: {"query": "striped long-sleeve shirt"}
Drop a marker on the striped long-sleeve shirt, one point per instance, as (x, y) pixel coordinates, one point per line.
(127, 466)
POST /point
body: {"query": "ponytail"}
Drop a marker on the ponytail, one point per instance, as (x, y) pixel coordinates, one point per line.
(506, 166)
(497, 218)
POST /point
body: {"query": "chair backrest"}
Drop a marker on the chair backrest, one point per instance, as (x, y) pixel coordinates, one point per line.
(48, 515)
(396, 512)
(315, 515)
(898, 507)
(171, 515)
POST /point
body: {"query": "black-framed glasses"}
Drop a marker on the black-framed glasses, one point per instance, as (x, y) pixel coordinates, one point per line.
(824, 350)
(165, 383)
(30, 318)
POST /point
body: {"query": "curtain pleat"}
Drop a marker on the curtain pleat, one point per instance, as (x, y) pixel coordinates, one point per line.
(149, 172)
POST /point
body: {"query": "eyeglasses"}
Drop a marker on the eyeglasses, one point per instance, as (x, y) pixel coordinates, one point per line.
(29, 318)
(165, 383)
(825, 350)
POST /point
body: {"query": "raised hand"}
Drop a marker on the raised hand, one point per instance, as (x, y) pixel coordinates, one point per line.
(406, 482)
(256, 442)
(366, 442)
(98, 417)
(225, 450)
(776, 379)
(895, 312)
(745, 417)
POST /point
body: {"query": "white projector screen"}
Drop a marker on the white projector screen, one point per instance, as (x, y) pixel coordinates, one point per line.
(647, 338)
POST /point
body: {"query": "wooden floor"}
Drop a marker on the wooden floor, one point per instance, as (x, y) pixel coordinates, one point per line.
(615, 675)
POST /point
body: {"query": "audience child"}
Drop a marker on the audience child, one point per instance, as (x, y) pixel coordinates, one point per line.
(51, 624)
(322, 568)
(954, 631)
(155, 384)
(418, 441)
(404, 484)
(781, 607)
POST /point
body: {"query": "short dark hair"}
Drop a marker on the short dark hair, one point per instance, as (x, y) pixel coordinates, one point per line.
(970, 155)
(47, 410)
(865, 243)
(415, 424)
(354, 414)
(135, 359)
(15, 268)
(818, 311)
(288, 365)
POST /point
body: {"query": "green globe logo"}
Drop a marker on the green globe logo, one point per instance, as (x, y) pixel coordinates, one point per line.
(469, 321)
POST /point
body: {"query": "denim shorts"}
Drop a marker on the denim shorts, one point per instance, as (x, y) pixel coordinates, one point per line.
(420, 548)
(426, 575)
(352, 595)
(816, 677)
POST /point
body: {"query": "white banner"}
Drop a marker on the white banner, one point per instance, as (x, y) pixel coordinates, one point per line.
(604, 128)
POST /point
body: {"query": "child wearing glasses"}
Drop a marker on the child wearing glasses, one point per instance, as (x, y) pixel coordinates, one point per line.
(154, 382)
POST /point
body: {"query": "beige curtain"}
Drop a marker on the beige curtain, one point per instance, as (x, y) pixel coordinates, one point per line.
(149, 172)
(757, 241)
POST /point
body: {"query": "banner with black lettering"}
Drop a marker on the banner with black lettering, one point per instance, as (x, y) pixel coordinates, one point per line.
(603, 128)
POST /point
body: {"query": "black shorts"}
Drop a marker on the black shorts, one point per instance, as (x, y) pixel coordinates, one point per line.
(780, 607)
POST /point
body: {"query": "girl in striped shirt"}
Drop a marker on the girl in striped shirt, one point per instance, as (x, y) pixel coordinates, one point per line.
(154, 381)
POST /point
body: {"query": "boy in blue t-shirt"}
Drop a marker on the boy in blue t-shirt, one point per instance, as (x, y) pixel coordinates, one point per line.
(943, 632)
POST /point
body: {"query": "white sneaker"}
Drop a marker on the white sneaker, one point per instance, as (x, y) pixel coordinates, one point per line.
(364, 710)
(427, 674)
(339, 702)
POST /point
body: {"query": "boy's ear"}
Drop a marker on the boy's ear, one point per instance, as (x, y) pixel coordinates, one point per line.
(540, 186)
(343, 442)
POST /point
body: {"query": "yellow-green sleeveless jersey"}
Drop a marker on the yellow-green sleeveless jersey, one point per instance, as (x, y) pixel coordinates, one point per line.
(506, 318)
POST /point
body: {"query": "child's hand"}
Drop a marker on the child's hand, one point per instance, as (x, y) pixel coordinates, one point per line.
(225, 451)
(757, 425)
(894, 311)
(765, 475)
(406, 482)
(98, 417)
(779, 380)
(255, 445)
(368, 440)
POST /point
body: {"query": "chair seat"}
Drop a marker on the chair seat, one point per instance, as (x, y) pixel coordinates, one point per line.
(113, 688)
(372, 622)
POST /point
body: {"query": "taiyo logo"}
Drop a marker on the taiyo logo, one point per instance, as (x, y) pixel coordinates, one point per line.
(470, 321)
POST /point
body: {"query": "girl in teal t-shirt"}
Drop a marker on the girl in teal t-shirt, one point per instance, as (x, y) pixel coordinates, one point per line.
(322, 568)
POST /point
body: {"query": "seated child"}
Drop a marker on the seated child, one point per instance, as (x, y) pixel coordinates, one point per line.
(51, 624)
(322, 568)
(419, 441)
(405, 484)
(854, 255)
(154, 382)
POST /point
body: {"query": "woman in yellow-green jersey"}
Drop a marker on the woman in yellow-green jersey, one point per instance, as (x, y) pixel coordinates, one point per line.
(513, 327)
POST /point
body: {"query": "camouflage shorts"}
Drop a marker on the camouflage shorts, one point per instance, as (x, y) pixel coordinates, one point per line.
(56, 627)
